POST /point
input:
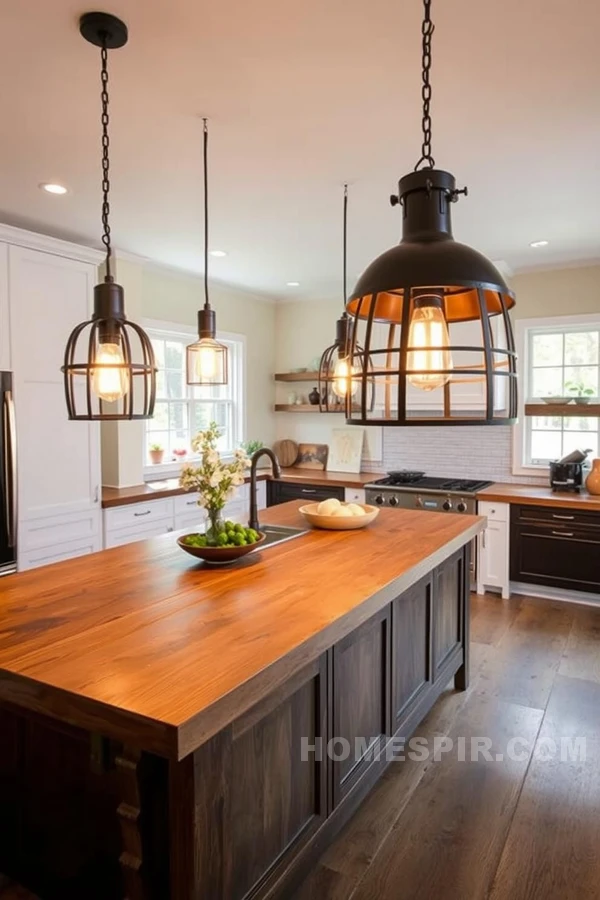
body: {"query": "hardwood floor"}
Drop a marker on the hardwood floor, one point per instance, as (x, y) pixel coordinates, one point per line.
(526, 827)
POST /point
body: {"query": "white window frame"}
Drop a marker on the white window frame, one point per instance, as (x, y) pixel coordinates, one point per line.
(237, 372)
(523, 327)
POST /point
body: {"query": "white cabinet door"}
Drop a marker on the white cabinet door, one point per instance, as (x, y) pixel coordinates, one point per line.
(5, 360)
(493, 563)
(59, 460)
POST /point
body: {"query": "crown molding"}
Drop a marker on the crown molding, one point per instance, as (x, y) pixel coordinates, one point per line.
(20, 237)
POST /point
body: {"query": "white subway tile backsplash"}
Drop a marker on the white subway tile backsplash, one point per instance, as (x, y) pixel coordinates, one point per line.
(469, 452)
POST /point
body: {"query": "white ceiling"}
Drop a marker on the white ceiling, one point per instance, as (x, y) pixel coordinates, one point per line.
(302, 96)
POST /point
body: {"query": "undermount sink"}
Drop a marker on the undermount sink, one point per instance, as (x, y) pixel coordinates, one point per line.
(277, 534)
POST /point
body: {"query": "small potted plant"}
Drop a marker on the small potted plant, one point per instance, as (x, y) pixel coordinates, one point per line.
(251, 446)
(156, 452)
(582, 393)
(214, 479)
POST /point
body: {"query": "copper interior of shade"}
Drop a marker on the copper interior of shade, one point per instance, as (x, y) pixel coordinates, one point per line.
(461, 304)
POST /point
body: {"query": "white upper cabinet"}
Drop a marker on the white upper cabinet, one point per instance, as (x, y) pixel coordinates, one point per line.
(5, 360)
(59, 460)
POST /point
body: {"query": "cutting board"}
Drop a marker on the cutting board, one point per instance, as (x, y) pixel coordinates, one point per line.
(286, 452)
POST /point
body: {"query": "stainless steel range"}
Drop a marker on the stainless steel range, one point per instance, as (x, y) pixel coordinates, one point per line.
(415, 490)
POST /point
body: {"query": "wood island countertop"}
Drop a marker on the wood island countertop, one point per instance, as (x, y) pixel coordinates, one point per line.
(536, 495)
(169, 487)
(143, 644)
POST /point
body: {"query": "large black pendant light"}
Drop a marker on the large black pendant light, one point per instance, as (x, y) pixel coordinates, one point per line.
(409, 305)
(109, 369)
(336, 387)
(206, 358)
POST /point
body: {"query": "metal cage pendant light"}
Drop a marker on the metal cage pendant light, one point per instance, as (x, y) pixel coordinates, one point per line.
(336, 386)
(206, 358)
(109, 369)
(411, 308)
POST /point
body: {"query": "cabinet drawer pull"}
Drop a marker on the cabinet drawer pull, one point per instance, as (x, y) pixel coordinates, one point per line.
(309, 490)
(563, 533)
(147, 513)
(190, 503)
(567, 518)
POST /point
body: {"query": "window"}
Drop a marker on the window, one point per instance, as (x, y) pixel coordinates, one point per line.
(181, 410)
(560, 357)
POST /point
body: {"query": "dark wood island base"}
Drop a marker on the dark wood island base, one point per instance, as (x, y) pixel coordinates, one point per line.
(247, 812)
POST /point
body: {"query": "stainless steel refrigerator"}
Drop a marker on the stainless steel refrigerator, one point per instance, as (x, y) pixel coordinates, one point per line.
(8, 478)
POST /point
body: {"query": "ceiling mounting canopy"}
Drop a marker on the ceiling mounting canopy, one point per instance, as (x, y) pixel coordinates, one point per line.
(417, 291)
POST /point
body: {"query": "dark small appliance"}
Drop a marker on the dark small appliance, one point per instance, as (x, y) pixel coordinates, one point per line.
(566, 476)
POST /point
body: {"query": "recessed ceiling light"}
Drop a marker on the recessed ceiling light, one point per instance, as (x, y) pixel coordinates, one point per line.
(539, 244)
(218, 252)
(293, 283)
(51, 188)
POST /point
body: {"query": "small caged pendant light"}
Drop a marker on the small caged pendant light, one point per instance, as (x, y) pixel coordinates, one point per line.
(411, 303)
(206, 361)
(336, 385)
(109, 369)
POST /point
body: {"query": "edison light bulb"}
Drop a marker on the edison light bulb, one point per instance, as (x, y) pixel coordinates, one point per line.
(206, 362)
(341, 378)
(110, 383)
(428, 328)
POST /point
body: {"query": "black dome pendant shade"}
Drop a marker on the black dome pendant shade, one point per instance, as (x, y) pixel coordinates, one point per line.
(109, 369)
(206, 358)
(410, 306)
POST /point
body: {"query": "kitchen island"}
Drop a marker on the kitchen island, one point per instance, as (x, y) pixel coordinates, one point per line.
(158, 717)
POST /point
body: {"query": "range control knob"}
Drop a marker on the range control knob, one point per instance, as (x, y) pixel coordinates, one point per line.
(447, 505)
(419, 503)
(379, 500)
(461, 506)
(393, 501)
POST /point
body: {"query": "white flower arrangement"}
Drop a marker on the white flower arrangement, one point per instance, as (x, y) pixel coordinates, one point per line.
(214, 479)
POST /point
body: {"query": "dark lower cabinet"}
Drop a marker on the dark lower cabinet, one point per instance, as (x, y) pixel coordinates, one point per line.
(555, 547)
(282, 491)
(361, 701)
(448, 618)
(412, 641)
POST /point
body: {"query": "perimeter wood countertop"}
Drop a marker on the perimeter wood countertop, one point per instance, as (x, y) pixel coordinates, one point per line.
(532, 495)
(143, 644)
(169, 487)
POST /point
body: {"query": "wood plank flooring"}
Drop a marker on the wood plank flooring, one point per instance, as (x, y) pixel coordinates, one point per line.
(523, 828)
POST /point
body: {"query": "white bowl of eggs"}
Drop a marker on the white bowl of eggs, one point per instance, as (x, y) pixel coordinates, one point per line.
(338, 516)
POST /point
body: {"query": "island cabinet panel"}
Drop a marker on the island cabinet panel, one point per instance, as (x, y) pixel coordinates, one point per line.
(448, 610)
(412, 652)
(260, 792)
(361, 701)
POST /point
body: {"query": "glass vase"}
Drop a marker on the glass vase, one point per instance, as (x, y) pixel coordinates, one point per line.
(214, 526)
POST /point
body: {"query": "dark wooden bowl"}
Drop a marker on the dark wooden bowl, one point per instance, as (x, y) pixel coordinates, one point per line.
(219, 556)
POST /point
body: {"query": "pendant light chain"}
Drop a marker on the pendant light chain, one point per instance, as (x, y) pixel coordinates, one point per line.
(345, 246)
(105, 158)
(206, 300)
(427, 29)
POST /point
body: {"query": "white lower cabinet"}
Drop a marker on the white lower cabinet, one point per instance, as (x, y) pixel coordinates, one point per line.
(50, 539)
(354, 495)
(143, 520)
(493, 549)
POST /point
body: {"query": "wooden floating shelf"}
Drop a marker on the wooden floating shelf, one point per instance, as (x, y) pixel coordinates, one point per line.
(568, 410)
(303, 408)
(296, 376)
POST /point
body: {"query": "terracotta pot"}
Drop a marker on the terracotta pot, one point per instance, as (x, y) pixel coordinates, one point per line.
(156, 456)
(592, 482)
